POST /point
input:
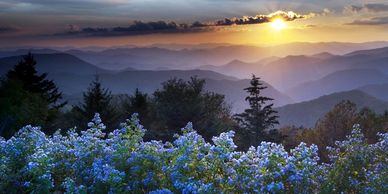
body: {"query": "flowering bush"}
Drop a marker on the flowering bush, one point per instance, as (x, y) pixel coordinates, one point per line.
(121, 162)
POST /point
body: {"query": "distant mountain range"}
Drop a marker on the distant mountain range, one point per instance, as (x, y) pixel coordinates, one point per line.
(307, 113)
(234, 93)
(54, 63)
(335, 82)
(377, 90)
(73, 76)
(236, 68)
(318, 75)
(289, 72)
(177, 56)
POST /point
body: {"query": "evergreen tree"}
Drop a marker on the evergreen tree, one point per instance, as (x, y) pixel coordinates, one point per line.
(25, 72)
(137, 103)
(27, 98)
(259, 117)
(19, 108)
(96, 100)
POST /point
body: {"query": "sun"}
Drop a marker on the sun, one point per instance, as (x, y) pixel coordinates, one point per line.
(278, 24)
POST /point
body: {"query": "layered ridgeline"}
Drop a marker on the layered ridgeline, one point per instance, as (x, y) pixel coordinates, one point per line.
(295, 73)
(54, 63)
(73, 75)
(342, 80)
(307, 113)
(123, 163)
(290, 79)
(190, 56)
(377, 90)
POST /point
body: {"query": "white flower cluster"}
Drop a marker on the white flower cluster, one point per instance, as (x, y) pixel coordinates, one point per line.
(121, 162)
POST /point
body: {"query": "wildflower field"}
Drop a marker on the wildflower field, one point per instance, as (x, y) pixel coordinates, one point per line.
(121, 162)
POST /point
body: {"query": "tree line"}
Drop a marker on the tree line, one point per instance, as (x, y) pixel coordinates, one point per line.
(27, 97)
(335, 125)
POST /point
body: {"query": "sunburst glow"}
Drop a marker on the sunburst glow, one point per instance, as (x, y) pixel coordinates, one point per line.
(278, 24)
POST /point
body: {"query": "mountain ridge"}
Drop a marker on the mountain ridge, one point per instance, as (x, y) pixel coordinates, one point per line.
(307, 113)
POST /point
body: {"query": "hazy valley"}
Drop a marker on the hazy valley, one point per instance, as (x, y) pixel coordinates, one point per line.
(327, 70)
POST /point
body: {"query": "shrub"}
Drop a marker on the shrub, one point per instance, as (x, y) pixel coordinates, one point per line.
(121, 162)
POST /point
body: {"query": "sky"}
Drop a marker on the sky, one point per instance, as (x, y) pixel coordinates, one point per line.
(144, 22)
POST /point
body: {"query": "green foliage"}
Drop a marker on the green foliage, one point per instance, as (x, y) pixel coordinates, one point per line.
(179, 102)
(26, 73)
(19, 107)
(27, 97)
(354, 163)
(138, 103)
(96, 99)
(372, 124)
(307, 113)
(335, 126)
(260, 117)
(122, 162)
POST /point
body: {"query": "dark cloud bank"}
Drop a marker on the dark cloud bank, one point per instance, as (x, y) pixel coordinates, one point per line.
(141, 28)
(372, 21)
(371, 7)
(6, 29)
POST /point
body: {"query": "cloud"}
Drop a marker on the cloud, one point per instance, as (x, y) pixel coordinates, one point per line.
(62, 7)
(326, 12)
(5, 5)
(6, 29)
(67, 3)
(371, 21)
(137, 28)
(371, 8)
(142, 28)
(258, 19)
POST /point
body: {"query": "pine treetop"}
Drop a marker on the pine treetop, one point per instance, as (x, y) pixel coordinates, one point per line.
(26, 73)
